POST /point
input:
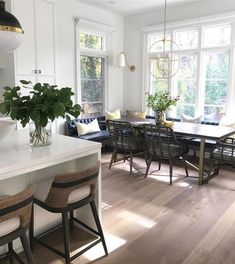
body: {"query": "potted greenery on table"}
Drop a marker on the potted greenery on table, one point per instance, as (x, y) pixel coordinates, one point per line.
(160, 102)
(43, 105)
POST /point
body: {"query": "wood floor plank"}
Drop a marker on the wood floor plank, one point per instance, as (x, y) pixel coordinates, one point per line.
(147, 221)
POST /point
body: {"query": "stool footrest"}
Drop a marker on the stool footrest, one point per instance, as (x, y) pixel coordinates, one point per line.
(86, 226)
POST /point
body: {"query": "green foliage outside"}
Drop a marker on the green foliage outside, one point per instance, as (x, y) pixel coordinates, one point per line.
(44, 103)
(90, 41)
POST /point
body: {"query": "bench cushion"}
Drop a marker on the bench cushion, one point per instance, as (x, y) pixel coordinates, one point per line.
(97, 136)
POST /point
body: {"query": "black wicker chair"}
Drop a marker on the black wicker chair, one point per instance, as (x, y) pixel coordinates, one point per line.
(125, 140)
(161, 144)
(223, 154)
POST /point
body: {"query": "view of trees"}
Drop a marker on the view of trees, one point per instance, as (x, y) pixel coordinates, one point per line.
(214, 66)
(89, 41)
(92, 80)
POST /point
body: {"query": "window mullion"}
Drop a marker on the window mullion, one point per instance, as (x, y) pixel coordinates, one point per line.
(200, 83)
(231, 77)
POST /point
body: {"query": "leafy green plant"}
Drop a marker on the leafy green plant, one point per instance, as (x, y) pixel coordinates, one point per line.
(161, 101)
(45, 102)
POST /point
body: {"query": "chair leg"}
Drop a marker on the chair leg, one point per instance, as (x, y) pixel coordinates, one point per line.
(66, 237)
(159, 165)
(171, 170)
(148, 166)
(99, 227)
(112, 159)
(217, 167)
(10, 249)
(146, 158)
(26, 247)
(31, 229)
(131, 162)
(185, 166)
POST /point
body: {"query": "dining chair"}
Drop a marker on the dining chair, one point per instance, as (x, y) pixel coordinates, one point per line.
(223, 154)
(15, 213)
(124, 140)
(66, 193)
(161, 144)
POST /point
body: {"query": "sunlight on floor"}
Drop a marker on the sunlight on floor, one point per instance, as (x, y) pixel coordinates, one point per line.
(112, 242)
(137, 219)
(163, 178)
(183, 184)
(105, 206)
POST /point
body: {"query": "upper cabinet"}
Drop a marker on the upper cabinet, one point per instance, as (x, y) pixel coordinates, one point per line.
(35, 58)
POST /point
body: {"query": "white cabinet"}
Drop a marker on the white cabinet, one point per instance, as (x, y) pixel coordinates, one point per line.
(35, 58)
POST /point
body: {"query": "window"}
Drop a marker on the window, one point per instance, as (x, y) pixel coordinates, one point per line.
(202, 80)
(92, 61)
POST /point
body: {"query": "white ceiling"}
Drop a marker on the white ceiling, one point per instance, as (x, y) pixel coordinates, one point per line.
(129, 7)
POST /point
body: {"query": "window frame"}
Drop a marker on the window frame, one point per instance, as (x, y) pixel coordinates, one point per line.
(200, 79)
(92, 53)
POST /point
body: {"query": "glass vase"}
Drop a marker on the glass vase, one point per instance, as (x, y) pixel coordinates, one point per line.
(40, 136)
(159, 117)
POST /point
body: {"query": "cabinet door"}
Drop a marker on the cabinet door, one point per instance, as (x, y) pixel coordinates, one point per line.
(46, 79)
(25, 54)
(44, 22)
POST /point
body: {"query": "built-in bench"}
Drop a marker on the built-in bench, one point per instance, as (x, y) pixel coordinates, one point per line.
(102, 136)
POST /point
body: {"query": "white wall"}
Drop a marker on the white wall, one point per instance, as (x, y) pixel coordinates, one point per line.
(65, 12)
(133, 41)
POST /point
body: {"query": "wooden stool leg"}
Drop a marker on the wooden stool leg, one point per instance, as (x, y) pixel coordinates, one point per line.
(99, 227)
(10, 249)
(71, 219)
(66, 237)
(31, 228)
(26, 247)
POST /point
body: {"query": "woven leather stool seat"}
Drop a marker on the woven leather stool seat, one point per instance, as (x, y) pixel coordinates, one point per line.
(15, 213)
(63, 194)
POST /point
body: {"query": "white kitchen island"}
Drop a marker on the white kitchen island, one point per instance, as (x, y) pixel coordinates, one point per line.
(22, 165)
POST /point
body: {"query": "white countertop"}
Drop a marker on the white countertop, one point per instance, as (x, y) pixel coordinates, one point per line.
(18, 157)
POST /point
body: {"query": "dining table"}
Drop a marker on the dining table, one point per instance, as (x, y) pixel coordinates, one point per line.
(192, 130)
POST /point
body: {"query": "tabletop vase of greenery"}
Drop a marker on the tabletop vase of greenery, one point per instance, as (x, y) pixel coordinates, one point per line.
(160, 102)
(42, 106)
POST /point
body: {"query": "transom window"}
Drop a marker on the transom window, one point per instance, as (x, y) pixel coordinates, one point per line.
(202, 80)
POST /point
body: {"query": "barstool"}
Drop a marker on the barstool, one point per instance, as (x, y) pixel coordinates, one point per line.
(66, 193)
(15, 213)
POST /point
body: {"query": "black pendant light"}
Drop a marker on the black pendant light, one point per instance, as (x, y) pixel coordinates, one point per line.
(11, 32)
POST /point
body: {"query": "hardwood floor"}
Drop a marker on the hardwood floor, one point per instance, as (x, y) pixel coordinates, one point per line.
(147, 221)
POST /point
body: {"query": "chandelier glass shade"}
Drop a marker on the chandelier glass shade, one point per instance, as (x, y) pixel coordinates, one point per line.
(11, 32)
(163, 64)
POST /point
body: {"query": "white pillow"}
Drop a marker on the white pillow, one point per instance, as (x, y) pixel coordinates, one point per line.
(92, 127)
(189, 119)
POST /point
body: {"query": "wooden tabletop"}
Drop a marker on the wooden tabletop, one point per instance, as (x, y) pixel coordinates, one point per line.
(190, 129)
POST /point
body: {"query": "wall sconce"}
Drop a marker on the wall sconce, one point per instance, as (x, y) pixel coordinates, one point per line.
(122, 61)
(11, 32)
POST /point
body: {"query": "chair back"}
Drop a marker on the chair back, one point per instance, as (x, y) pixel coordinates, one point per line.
(160, 141)
(123, 135)
(64, 184)
(19, 205)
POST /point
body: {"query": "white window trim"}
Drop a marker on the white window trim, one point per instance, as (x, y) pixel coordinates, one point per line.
(100, 29)
(225, 18)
